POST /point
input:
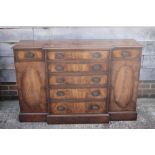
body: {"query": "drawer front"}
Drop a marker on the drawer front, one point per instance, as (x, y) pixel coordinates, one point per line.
(79, 107)
(126, 53)
(75, 67)
(76, 55)
(96, 93)
(29, 55)
(72, 80)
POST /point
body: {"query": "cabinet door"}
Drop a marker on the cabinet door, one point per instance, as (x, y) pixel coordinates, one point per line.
(124, 84)
(31, 86)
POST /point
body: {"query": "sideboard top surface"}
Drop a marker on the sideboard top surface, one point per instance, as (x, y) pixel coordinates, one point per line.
(77, 44)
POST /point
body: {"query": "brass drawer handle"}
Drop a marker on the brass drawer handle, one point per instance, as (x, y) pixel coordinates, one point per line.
(96, 79)
(61, 108)
(96, 67)
(29, 55)
(94, 107)
(60, 93)
(59, 55)
(60, 80)
(125, 54)
(59, 68)
(96, 55)
(95, 93)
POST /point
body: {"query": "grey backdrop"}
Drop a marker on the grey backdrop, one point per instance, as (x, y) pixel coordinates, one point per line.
(10, 35)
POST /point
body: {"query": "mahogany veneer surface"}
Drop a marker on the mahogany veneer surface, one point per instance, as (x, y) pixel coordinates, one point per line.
(77, 81)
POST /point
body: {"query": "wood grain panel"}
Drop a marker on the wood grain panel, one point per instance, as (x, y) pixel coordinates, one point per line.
(78, 119)
(80, 96)
(79, 44)
(22, 55)
(100, 93)
(72, 67)
(126, 53)
(31, 85)
(124, 83)
(57, 80)
(77, 107)
(125, 79)
(75, 55)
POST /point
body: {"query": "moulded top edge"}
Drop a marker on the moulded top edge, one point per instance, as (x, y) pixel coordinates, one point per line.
(78, 44)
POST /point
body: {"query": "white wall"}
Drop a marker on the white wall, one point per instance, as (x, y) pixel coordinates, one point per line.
(10, 35)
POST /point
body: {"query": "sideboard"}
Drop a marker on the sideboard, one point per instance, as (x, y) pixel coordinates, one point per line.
(77, 81)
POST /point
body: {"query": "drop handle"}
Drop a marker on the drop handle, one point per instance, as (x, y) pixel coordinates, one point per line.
(95, 93)
(60, 80)
(96, 55)
(59, 68)
(60, 93)
(125, 54)
(29, 55)
(61, 108)
(94, 107)
(59, 55)
(95, 79)
(96, 67)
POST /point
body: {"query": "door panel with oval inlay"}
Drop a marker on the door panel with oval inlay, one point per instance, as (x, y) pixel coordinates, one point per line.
(31, 84)
(125, 76)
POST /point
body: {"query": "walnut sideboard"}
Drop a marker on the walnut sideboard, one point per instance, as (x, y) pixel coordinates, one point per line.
(77, 81)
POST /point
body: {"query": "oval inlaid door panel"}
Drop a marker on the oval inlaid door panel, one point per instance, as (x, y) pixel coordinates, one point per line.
(31, 84)
(31, 87)
(123, 87)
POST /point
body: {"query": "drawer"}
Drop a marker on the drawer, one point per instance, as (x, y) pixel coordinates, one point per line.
(72, 80)
(29, 55)
(126, 53)
(77, 55)
(78, 93)
(76, 67)
(77, 108)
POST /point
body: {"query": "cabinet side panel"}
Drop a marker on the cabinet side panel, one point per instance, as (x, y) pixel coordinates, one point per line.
(31, 86)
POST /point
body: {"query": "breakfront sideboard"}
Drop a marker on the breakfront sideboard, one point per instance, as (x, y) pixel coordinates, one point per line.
(77, 81)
